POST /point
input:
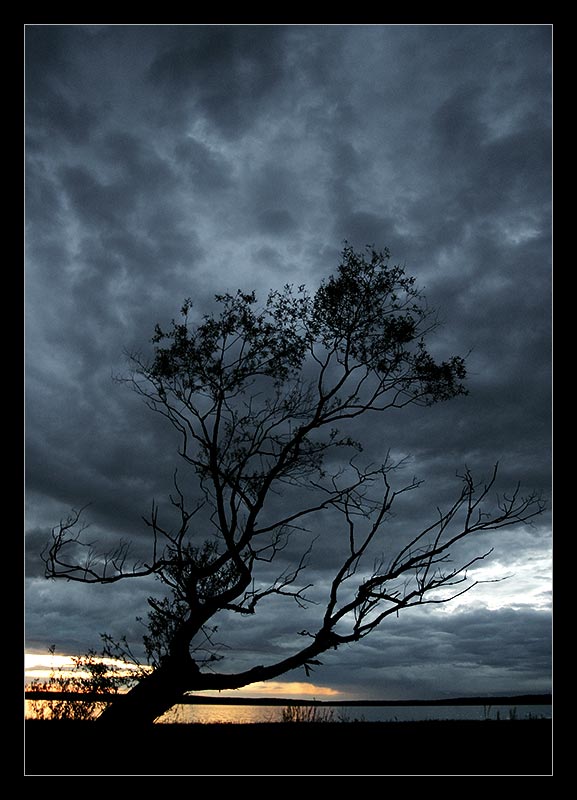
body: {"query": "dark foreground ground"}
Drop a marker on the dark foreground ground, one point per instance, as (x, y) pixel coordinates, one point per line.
(507, 747)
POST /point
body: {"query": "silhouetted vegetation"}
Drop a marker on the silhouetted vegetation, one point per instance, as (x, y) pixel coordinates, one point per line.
(89, 674)
(307, 714)
(263, 399)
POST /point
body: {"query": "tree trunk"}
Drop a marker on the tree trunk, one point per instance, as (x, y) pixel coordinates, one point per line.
(165, 687)
(152, 696)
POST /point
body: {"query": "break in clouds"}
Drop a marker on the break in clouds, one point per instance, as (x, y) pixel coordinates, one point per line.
(166, 162)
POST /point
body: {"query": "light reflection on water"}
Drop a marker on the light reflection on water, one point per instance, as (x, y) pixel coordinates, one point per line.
(206, 713)
(255, 714)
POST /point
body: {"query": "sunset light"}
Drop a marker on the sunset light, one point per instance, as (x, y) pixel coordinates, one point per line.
(38, 666)
(289, 689)
(288, 418)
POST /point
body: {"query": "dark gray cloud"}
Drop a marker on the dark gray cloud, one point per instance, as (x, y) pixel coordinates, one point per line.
(432, 655)
(227, 74)
(166, 162)
(206, 171)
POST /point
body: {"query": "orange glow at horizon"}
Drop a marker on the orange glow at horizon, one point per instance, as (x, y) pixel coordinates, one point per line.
(290, 689)
(40, 665)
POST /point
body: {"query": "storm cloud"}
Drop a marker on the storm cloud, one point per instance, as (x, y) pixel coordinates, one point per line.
(166, 162)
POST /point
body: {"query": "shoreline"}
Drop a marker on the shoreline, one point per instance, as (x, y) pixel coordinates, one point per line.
(199, 699)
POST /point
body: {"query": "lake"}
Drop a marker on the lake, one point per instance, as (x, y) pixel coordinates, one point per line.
(254, 714)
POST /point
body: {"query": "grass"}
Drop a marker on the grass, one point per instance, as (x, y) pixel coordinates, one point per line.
(307, 714)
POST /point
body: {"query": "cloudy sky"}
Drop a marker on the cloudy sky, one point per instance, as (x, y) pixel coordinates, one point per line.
(166, 162)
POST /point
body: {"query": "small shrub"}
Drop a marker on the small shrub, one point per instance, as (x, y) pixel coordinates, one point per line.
(88, 675)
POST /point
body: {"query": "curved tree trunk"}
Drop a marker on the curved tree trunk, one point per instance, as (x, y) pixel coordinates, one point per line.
(152, 696)
(165, 687)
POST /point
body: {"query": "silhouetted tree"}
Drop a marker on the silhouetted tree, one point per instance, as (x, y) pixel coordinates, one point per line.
(262, 398)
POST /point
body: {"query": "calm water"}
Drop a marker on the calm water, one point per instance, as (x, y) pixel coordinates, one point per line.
(248, 714)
